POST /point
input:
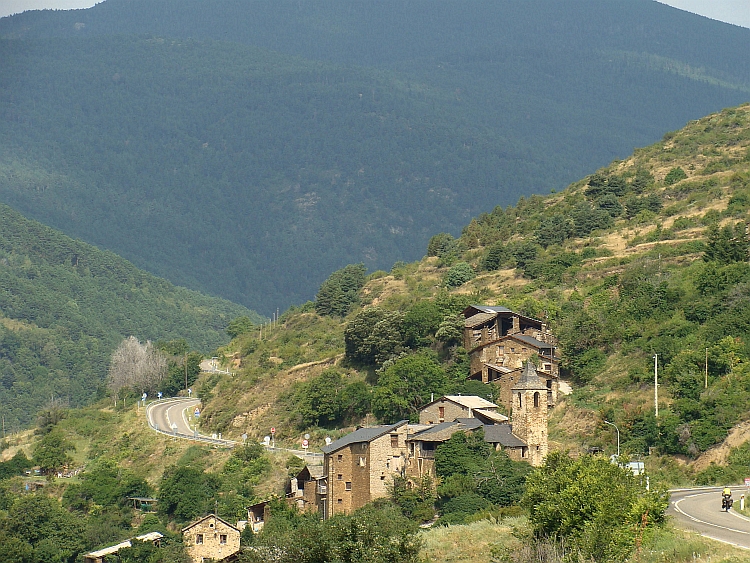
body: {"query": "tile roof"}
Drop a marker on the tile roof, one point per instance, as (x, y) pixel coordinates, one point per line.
(361, 435)
(502, 434)
(471, 401)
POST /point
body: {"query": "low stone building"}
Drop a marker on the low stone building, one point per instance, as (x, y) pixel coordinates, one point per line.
(306, 488)
(211, 538)
(359, 467)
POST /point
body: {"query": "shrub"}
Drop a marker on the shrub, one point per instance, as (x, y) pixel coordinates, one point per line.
(459, 275)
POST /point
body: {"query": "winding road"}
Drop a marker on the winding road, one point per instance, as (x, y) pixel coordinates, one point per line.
(171, 417)
(700, 510)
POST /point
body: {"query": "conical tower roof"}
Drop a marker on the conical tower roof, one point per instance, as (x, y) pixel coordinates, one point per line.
(529, 379)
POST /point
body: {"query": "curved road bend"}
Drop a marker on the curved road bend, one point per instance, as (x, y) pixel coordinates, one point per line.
(164, 414)
(700, 510)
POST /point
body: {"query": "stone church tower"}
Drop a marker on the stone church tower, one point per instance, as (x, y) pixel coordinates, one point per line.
(529, 414)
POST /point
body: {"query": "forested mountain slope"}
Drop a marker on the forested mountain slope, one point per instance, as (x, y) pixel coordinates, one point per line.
(252, 174)
(65, 306)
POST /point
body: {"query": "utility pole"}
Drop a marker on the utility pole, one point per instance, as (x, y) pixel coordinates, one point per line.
(656, 386)
(186, 384)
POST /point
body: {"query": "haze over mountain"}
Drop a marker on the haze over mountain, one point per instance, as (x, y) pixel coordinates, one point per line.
(224, 166)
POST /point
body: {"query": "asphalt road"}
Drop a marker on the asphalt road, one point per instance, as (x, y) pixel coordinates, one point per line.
(163, 415)
(700, 510)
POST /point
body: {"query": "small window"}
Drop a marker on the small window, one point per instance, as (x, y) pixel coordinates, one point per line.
(340, 477)
(394, 440)
(348, 486)
(223, 539)
(382, 477)
(340, 457)
(441, 412)
(536, 400)
(519, 401)
(198, 539)
(339, 501)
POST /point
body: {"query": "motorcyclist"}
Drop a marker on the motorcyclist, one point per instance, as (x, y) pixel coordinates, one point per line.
(726, 498)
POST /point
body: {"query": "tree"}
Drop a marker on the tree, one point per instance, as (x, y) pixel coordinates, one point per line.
(240, 325)
(340, 292)
(51, 452)
(440, 244)
(186, 492)
(373, 336)
(590, 504)
(554, 231)
(459, 275)
(137, 366)
(727, 244)
(421, 322)
(406, 385)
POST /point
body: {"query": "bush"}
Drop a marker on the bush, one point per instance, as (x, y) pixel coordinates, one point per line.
(674, 176)
(459, 275)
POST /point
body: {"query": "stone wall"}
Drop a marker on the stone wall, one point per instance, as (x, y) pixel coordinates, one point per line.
(387, 458)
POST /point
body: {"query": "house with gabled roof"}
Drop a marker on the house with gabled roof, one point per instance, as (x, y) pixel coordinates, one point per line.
(500, 341)
(451, 407)
(211, 538)
(359, 467)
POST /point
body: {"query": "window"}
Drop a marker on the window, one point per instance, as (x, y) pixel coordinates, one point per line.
(223, 539)
(340, 477)
(441, 411)
(340, 457)
(339, 501)
(348, 486)
(394, 440)
(198, 539)
(536, 399)
(519, 401)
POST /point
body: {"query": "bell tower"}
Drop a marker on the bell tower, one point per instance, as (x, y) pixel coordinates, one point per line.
(529, 413)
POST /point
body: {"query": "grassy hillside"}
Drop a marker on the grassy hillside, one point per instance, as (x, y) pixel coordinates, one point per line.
(65, 305)
(643, 257)
(315, 135)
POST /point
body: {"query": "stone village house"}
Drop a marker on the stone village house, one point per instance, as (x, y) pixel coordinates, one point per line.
(211, 538)
(499, 342)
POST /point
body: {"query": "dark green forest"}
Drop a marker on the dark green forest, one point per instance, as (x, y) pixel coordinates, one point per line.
(248, 149)
(66, 305)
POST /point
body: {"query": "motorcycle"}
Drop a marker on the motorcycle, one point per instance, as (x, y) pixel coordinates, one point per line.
(726, 503)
